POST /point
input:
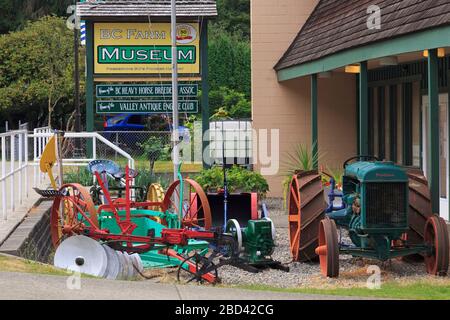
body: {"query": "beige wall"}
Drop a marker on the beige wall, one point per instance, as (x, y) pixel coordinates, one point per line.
(286, 106)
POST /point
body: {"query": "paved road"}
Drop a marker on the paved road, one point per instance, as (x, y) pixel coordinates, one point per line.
(19, 286)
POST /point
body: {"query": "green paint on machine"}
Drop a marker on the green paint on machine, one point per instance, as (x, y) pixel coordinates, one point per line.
(145, 54)
(145, 107)
(145, 90)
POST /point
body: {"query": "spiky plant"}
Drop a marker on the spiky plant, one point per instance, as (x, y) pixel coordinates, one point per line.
(302, 158)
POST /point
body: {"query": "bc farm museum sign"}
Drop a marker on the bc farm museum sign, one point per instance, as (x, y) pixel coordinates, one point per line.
(143, 48)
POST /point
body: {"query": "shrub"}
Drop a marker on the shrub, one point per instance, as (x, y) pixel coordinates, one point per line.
(239, 180)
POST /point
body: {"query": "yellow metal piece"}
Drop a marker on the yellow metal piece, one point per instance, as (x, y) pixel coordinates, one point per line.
(48, 160)
(155, 193)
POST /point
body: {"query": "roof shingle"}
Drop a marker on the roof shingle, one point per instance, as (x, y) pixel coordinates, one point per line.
(145, 8)
(338, 25)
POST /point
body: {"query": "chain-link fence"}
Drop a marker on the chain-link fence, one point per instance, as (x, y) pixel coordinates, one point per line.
(143, 146)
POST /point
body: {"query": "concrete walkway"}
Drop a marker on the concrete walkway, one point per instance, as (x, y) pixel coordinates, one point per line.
(21, 209)
(19, 286)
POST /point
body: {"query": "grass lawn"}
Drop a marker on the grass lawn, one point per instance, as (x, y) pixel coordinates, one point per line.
(11, 264)
(418, 290)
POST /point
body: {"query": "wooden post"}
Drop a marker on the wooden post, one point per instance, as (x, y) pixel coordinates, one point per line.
(363, 110)
(90, 84)
(433, 129)
(314, 122)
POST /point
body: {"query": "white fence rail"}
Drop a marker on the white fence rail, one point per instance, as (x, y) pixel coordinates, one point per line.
(15, 179)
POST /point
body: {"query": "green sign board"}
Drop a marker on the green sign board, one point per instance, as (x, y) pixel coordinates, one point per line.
(145, 106)
(145, 54)
(144, 90)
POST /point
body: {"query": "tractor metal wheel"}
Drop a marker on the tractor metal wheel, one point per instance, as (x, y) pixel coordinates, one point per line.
(71, 213)
(196, 212)
(436, 236)
(306, 206)
(419, 206)
(328, 249)
(155, 193)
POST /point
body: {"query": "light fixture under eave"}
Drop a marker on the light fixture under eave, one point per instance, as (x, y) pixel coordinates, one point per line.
(353, 69)
(389, 61)
(325, 75)
(441, 53)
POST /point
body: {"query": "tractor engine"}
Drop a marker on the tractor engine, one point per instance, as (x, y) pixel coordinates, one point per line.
(376, 199)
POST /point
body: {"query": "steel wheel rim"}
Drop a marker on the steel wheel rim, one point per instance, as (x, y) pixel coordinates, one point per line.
(306, 208)
(198, 212)
(436, 235)
(155, 193)
(77, 202)
(328, 249)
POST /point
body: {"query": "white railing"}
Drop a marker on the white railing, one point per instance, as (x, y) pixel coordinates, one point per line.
(14, 178)
(95, 139)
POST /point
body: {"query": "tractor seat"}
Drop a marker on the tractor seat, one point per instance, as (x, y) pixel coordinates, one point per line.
(103, 166)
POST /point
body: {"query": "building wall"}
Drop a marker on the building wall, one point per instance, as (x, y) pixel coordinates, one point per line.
(286, 106)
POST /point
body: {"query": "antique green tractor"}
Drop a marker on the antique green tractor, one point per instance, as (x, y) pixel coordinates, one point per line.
(385, 209)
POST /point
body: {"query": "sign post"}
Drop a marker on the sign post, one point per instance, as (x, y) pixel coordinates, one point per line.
(176, 136)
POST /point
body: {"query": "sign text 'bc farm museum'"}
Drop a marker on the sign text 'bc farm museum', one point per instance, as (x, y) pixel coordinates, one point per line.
(142, 48)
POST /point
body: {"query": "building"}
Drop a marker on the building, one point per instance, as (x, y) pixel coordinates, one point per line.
(356, 77)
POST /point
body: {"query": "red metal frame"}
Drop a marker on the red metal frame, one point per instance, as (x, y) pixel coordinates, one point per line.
(169, 237)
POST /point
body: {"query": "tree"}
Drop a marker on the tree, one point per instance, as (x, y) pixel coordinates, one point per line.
(234, 17)
(36, 74)
(15, 13)
(229, 103)
(229, 62)
(155, 149)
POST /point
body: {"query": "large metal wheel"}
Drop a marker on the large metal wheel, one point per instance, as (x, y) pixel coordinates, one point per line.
(419, 206)
(436, 236)
(155, 193)
(196, 212)
(306, 205)
(71, 213)
(328, 249)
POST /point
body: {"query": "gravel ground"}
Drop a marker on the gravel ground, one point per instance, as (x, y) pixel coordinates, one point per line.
(353, 271)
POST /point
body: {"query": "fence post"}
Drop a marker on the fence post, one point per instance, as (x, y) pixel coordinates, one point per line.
(94, 147)
(26, 163)
(12, 159)
(20, 167)
(4, 200)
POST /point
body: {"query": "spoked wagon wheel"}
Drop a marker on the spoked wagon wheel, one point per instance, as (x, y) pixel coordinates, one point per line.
(436, 236)
(196, 212)
(71, 213)
(328, 249)
(196, 268)
(306, 205)
(155, 193)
